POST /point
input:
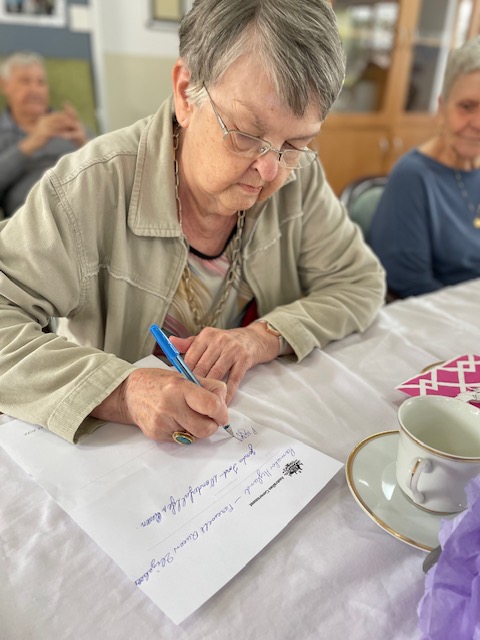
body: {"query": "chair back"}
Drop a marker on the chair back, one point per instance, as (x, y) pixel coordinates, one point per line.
(361, 198)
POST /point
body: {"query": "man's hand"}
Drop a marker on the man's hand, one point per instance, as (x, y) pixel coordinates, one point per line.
(57, 124)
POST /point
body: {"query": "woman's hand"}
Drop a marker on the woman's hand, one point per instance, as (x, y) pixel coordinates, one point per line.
(161, 402)
(228, 354)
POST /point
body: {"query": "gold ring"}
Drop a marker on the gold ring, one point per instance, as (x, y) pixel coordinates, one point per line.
(183, 437)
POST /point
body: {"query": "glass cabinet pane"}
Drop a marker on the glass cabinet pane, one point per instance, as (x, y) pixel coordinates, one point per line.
(442, 25)
(367, 30)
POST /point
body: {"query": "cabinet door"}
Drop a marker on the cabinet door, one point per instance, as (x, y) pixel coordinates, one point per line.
(409, 135)
(350, 153)
(368, 30)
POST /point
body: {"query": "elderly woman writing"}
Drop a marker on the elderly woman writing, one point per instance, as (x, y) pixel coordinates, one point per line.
(426, 229)
(210, 214)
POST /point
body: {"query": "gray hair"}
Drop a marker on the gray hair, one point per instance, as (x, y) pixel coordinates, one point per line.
(20, 59)
(465, 59)
(296, 41)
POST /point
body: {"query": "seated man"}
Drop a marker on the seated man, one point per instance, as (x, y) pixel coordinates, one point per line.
(32, 136)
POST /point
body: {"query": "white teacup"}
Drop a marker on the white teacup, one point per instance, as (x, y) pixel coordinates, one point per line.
(438, 451)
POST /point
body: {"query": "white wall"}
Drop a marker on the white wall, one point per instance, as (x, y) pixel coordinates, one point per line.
(124, 30)
(133, 60)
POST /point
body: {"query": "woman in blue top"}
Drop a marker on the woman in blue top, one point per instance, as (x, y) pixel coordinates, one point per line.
(426, 230)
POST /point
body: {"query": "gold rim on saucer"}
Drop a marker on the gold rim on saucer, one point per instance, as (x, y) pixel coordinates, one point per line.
(362, 503)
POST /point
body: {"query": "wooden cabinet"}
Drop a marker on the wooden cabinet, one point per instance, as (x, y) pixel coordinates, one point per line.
(396, 54)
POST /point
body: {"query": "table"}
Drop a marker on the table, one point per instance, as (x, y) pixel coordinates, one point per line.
(332, 573)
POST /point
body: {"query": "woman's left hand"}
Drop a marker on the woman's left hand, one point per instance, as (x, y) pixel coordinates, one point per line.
(228, 354)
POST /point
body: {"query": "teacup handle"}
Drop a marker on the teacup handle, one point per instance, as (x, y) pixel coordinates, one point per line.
(418, 466)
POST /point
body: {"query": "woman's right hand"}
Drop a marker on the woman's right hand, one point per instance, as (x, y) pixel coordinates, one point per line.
(160, 402)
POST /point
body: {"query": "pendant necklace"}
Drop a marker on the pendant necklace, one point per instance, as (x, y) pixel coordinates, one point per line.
(474, 211)
(210, 319)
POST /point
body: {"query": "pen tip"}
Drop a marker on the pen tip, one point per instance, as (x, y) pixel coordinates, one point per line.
(230, 431)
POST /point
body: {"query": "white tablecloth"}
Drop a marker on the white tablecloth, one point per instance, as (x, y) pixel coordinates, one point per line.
(332, 573)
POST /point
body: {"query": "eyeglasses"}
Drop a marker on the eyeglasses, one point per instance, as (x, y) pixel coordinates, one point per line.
(247, 146)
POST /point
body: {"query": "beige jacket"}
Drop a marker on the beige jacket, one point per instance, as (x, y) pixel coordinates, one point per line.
(98, 244)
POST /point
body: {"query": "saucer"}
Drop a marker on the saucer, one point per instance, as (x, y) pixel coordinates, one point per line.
(370, 471)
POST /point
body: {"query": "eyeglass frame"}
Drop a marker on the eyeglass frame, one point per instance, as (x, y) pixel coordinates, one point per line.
(265, 145)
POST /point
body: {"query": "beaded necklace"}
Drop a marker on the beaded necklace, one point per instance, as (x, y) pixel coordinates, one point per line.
(210, 319)
(474, 211)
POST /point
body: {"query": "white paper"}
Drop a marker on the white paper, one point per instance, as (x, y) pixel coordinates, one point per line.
(180, 521)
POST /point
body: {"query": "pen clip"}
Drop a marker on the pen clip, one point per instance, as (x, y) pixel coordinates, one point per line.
(172, 354)
(168, 348)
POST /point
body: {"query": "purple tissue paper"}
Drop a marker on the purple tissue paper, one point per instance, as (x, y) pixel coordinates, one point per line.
(450, 606)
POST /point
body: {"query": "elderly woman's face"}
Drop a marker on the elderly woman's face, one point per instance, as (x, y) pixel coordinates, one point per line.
(461, 116)
(221, 181)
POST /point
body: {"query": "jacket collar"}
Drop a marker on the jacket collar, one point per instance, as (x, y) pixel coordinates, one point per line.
(153, 188)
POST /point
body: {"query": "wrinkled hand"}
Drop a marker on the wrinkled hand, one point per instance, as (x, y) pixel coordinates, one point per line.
(227, 354)
(161, 402)
(57, 124)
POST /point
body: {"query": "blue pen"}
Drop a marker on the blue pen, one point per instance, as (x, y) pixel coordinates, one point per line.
(174, 357)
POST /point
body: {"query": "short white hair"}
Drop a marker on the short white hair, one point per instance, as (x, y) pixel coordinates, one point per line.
(296, 41)
(461, 61)
(20, 59)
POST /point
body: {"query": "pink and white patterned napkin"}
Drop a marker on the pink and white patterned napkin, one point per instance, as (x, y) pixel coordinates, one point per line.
(458, 376)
